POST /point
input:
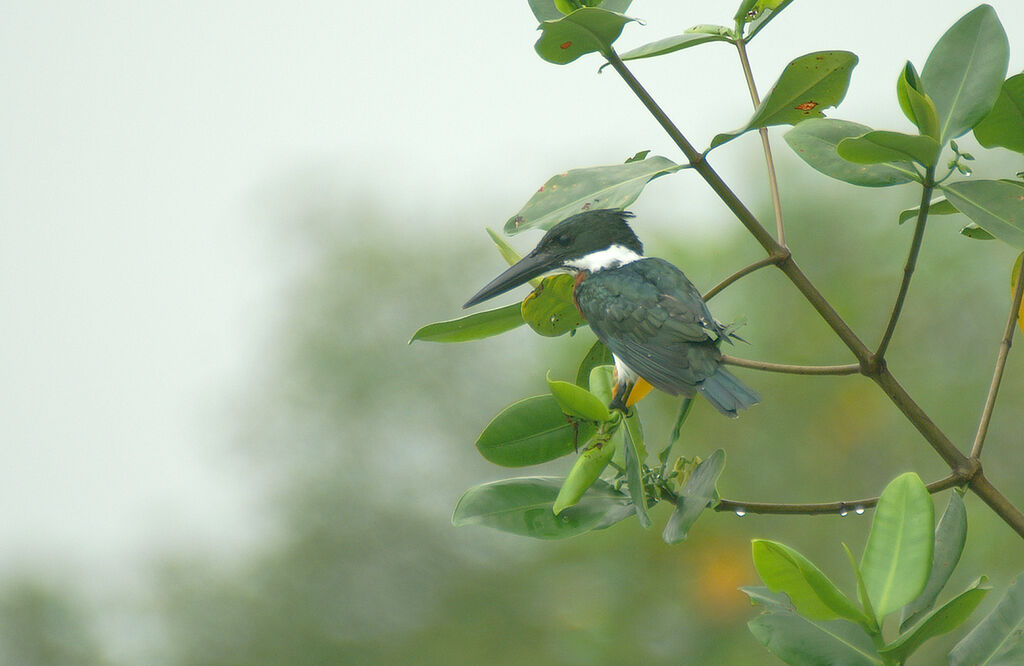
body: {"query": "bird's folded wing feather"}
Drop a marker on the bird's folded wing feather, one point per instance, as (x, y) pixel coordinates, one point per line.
(654, 320)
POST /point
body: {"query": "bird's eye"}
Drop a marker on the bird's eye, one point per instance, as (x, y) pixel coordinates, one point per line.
(563, 241)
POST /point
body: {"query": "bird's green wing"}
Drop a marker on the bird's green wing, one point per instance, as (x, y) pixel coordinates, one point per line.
(650, 316)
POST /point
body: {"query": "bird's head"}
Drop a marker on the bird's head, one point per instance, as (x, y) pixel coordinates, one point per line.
(592, 240)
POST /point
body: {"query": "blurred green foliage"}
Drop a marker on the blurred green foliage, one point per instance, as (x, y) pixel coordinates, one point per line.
(367, 443)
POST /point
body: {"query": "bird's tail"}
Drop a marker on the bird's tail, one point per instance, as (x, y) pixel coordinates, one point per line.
(728, 394)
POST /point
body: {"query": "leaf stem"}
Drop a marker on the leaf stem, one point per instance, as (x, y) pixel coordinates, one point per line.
(908, 269)
(773, 183)
(743, 272)
(848, 369)
(824, 507)
(997, 375)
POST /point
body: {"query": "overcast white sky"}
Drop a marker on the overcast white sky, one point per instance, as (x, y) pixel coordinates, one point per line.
(140, 140)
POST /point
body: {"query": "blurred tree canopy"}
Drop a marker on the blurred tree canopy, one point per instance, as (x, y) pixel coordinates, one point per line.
(368, 442)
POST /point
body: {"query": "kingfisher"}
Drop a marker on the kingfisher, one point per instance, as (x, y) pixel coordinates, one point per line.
(650, 316)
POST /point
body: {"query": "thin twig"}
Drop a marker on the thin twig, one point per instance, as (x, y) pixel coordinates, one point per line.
(840, 508)
(848, 369)
(773, 183)
(908, 269)
(997, 375)
(743, 272)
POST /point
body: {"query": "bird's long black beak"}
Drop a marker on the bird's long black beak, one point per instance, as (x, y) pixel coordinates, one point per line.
(522, 271)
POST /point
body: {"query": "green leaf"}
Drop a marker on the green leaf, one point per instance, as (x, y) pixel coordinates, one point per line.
(815, 142)
(550, 309)
(898, 555)
(578, 402)
(598, 354)
(1001, 633)
(634, 471)
(545, 10)
(798, 641)
(917, 106)
(745, 12)
(965, 71)
(1004, 124)
(976, 232)
(862, 593)
(996, 206)
(670, 45)
(938, 206)
(950, 537)
(523, 506)
(508, 253)
(941, 621)
(602, 383)
(472, 327)
(584, 31)
(880, 146)
(685, 407)
(697, 495)
(785, 570)
(765, 11)
(584, 473)
(761, 596)
(530, 432)
(614, 186)
(808, 85)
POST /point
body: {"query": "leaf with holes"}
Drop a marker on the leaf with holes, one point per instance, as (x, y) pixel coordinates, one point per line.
(584, 31)
(550, 309)
(761, 14)
(807, 86)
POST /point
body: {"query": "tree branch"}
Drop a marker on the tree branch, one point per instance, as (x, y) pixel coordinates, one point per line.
(773, 183)
(743, 272)
(840, 508)
(849, 369)
(871, 366)
(997, 375)
(908, 269)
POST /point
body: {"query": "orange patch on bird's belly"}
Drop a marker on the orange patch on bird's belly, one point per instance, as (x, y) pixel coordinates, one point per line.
(640, 390)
